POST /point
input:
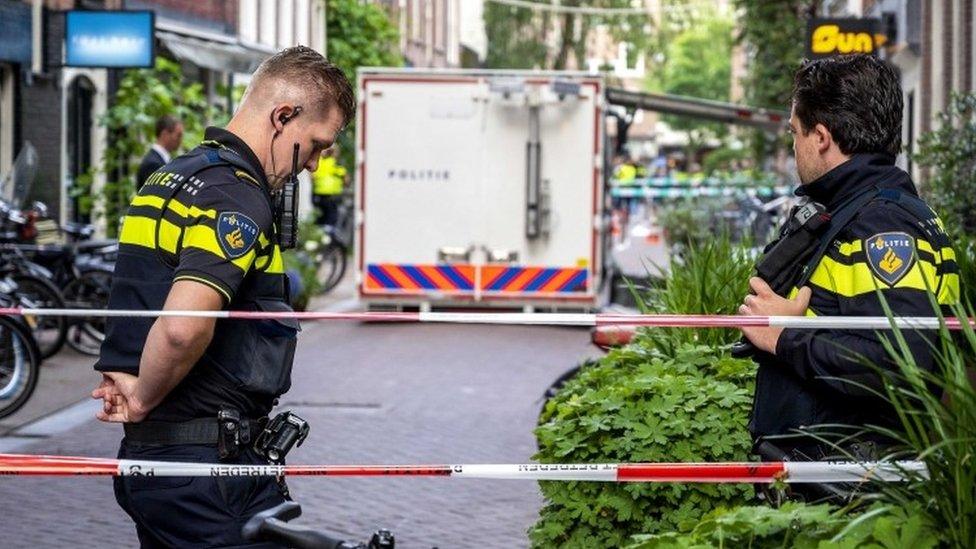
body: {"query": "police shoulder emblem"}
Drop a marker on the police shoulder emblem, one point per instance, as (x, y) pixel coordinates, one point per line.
(236, 233)
(890, 255)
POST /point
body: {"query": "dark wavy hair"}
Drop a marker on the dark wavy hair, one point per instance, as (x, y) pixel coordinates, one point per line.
(857, 97)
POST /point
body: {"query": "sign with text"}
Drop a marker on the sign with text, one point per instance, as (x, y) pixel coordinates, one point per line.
(829, 37)
(109, 39)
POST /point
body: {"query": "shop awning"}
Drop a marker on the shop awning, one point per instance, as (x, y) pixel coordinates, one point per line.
(208, 54)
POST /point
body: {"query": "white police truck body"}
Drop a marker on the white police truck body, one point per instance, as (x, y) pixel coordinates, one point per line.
(479, 188)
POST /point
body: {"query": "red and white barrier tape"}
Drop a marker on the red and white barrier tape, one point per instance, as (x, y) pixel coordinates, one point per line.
(767, 472)
(544, 319)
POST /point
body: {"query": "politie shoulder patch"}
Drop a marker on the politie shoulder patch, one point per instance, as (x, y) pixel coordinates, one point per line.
(890, 255)
(236, 233)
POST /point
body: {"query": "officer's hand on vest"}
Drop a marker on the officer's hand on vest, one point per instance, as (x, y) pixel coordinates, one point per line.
(119, 405)
(765, 302)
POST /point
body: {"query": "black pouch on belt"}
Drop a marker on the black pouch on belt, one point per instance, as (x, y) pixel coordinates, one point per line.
(233, 433)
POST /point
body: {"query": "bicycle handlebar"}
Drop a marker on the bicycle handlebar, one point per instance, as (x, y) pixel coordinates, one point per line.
(272, 525)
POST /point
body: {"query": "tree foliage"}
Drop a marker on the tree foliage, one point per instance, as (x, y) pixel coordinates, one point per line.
(773, 31)
(950, 151)
(143, 96)
(359, 34)
(698, 64)
(523, 38)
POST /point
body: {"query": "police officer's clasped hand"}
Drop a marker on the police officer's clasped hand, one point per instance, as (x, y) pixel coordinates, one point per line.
(765, 302)
(119, 404)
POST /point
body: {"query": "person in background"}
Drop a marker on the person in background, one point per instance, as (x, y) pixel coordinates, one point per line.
(327, 183)
(169, 138)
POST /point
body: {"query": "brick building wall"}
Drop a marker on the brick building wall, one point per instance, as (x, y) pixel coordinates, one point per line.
(39, 108)
(215, 10)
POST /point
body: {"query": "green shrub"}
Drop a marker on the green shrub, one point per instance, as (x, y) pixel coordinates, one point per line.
(801, 526)
(688, 222)
(965, 248)
(937, 424)
(142, 96)
(300, 260)
(711, 278)
(641, 405)
(950, 151)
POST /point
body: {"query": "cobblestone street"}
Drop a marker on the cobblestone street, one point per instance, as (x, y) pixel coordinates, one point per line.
(373, 394)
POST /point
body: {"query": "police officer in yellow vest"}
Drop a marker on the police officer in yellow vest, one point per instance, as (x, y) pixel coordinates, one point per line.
(847, 124)
(206, 233)
(327, 183)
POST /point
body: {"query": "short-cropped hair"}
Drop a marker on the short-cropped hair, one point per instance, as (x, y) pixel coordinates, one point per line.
(310, 71)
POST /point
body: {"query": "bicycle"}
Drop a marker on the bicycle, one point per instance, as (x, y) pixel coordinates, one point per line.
(332, 251)
(272, 526)
(19, 359)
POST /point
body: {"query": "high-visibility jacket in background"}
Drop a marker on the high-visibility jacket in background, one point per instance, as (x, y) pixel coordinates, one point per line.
(328, 177)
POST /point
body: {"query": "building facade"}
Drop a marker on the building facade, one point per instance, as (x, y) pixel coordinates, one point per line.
(931, 42)
(430, 30)
(56, 108)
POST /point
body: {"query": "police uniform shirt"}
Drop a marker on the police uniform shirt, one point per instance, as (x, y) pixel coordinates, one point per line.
(816, 376)
(216, 230)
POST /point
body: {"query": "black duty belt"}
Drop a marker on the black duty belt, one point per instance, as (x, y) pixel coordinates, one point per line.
(196, 431)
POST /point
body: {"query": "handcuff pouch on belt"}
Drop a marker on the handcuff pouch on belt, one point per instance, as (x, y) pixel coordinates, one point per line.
(274, 441)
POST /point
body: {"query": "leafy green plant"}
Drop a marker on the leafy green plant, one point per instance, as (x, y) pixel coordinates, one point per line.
(801, 526)
(936, 412)
(143, 96)
(965, 248)
(711, 277)
(950, 152)
(639, 404)
(687, 222)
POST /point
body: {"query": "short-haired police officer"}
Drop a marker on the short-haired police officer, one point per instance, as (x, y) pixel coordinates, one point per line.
(205, 233)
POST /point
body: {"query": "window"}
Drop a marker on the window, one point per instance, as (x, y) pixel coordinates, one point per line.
(286, 23)
(6, 118)
(248, 20)
(302, 15)
(909, 128)
(416, 20)
(81, 96)
(267, 23)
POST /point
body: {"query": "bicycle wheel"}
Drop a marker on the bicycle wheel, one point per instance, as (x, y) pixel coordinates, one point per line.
(89, 291)
(49, 331)
(19, 365)
(332, 267)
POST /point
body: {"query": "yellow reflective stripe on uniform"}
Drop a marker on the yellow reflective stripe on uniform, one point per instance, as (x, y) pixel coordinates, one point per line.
(949, 293)
(946, 254)
(792, 295)
(858, 279)
(176, 206)
(141, 231)
(849, 248)
(204, 281)
(205, 238)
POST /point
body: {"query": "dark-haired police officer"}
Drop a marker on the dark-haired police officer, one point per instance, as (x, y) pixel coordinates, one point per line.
(206, 233)
(846, 124)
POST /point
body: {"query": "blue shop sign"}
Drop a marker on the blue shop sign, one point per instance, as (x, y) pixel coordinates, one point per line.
(15, 40)
(109, 39)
